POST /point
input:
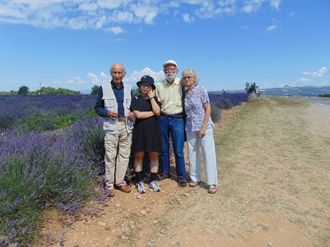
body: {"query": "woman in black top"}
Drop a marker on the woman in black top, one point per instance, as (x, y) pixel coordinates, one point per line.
(146, 132)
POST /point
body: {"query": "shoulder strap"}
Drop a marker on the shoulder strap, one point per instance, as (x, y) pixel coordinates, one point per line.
(182, 99)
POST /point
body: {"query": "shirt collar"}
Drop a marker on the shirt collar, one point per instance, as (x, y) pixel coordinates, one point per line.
(113, 85)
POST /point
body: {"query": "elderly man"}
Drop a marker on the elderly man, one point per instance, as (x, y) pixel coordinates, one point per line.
(113, 104)
(169, 93)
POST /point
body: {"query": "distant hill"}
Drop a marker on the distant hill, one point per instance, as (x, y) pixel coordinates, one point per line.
(295, 91)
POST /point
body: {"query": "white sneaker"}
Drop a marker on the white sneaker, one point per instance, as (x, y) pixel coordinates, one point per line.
(140, 187)
(153, 185)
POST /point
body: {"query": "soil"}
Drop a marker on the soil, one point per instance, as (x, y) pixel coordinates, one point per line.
(274, 190)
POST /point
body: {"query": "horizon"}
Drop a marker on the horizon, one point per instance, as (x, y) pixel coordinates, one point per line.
(72, 44)
(88, 91)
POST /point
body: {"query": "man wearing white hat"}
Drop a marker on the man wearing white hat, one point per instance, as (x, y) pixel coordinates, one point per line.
(169, 92)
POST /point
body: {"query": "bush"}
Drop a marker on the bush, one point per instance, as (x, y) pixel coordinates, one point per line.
(23, 90)
(46, 169)
(44, 112)
(64, 121)
(36, 123)
(95, 90)
(6, 120)
(215, 113)
(225, 104)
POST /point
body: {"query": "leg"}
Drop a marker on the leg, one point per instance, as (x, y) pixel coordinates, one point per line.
(154, 169)
(138, 172)
(110, 144)
(177, 134)
(138, 161)
(153, 162)
(164, 158)
(124, 147)
(194, 156)
(207, 143)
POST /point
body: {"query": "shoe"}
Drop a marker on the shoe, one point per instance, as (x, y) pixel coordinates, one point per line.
(140, 187)
(124, 188)
(193, 184)
(109, 191)
(154, 186)
(182, 182)
(163, 176)
(212, 189)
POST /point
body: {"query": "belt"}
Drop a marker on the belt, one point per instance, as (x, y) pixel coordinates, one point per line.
(176, 115)
(121, 119)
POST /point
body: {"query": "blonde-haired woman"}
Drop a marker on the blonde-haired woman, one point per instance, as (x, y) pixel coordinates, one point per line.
(199, 131)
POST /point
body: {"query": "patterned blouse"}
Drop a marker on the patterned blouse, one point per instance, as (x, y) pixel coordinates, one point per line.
(194, 108)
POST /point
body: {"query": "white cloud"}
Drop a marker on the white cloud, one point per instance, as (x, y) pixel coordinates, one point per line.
(77, 81)
(271, 27)
(112, 4)
(146, 13)
(315, 76)
(136, 75)
(132, 78)
(97, 80)
(88, 7)
(187, 18)
(100, 14)
(122, 17)
(115, 30)
(319, 73)
(275, 4)
(252, 6)
(304, 79)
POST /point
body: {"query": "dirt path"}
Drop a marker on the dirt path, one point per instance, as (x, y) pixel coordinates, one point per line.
(273, 159)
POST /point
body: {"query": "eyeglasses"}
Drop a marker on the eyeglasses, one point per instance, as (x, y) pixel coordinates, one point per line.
(187, 77)
(173, 68)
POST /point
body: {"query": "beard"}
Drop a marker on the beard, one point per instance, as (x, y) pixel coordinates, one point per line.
(170, 76)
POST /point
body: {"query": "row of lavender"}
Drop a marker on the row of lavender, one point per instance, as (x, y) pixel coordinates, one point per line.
(41, 169)
(51, 168)
(43, 112)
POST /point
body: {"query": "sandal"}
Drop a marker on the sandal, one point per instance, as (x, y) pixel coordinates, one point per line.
(212, 189)
(192, 184)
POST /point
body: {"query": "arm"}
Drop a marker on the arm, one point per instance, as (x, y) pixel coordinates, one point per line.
(154, 105)
(99, 106)
(207, 108)
(143, 114)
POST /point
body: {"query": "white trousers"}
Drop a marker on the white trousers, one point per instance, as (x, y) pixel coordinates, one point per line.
(206, 145)
(117, 152)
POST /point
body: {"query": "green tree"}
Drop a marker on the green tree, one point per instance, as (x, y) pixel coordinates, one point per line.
(94, 90)
(51, 90)
(23, 90)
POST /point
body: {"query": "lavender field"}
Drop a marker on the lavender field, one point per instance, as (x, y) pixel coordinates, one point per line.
(51, 152)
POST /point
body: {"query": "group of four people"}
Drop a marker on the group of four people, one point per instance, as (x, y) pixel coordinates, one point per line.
(173, 109)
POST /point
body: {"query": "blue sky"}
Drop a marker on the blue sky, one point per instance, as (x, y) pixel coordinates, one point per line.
(73, 43)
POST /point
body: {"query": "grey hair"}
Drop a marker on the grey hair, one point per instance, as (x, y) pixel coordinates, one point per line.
(122, 65)
(191, 71)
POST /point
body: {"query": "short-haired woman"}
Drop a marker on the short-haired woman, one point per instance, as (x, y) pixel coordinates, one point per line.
(147, 136)
(199, 131)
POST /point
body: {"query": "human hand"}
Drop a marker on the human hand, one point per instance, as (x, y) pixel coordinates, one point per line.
(201, 132)
(130, 116)
(151, 94)
(112, 114)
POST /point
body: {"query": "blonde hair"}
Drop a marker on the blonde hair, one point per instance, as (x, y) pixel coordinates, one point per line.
(190, 71)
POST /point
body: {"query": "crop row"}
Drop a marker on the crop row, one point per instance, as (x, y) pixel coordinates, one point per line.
(55, 168)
